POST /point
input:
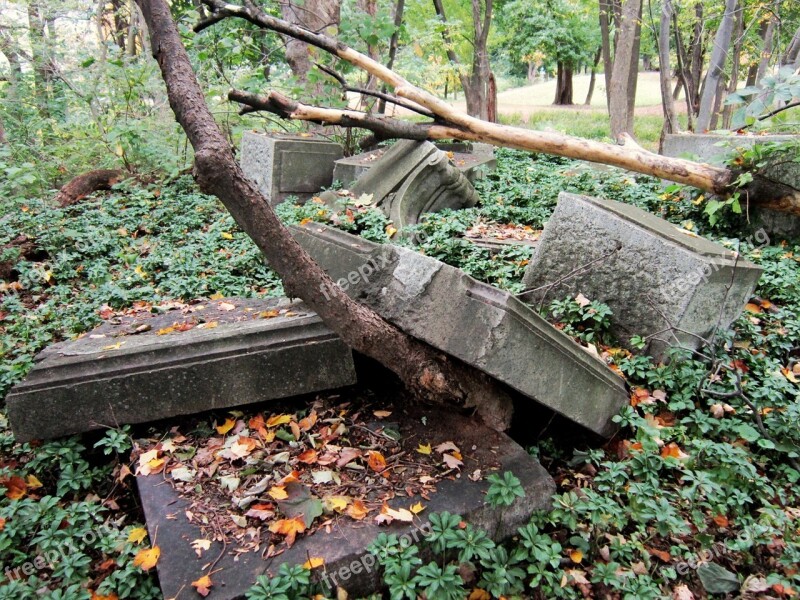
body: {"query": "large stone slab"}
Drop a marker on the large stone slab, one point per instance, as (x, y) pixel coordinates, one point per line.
(126, 372)
(715, 148)
(411, 179)
(658, 280)
(344, 547)
(473, 160)
(475, 322)
(288, 165)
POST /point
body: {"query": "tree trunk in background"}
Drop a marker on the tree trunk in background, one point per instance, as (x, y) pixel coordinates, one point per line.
(40, 54)
(479, 93)
(593, 77)
(370, 7)
(716, 67)
(563, 85)
(605, 45)
(685, 74)
(14, 55)
(768, 38)
(670, 118)
(697, 47)
(633, 74)
(319, 15)
(733, 81)
(620, 103)
(792, 54)
(393, 43)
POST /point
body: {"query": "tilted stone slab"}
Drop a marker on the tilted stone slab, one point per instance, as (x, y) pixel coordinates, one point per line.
(288, 165)
(115, 376)
(475, 322)
(658, 280)
(473, 160)
(412, 178)
(347, 562)
(714, 148)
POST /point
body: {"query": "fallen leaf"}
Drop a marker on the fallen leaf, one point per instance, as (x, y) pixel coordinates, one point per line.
(203, 585)
(682, 592)
(382, 414)
(276, 420)
(336, 503)
(479, 594)
(582, 300)
(672, 450)
(376, 461)
(147, 558)
(226, 426)
(313, 563)
(400, 514)
(278, 492)
(661, 554)
(137, 535)
(226, 306)
(309, 457)
(789, 375)
(96, 596)
(446, 446)
(576, 556)
(424, 449)
(2, 523)
(288, 528)
(263, 512)
(721, 520)
(357, 510)
(752, 307)
(451, 461)
(200, 546)
(347, 455)
(417, 508)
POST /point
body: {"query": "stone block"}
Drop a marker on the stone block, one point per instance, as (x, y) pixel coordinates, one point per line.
(411, 179)
(288, 165)
(715, 148)
(473, 160)
(345, 544)
(475, 322)
(127, 372)
(657, 279)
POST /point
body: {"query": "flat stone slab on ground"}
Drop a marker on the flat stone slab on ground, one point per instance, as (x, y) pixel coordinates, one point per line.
(288, 165)
(145, 368)
(475, 322)
(473, 160)
(658, 280)
(346, 544)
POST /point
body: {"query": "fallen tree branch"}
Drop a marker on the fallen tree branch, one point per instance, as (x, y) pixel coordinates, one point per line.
(86, 183)
(628, 155)
(426, 371)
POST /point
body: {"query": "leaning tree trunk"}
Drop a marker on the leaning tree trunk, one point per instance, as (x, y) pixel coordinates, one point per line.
(419, 366)
(593, 77)
(716, 67)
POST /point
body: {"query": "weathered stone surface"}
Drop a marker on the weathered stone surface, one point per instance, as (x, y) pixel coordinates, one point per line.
(410, 179)
(658, 280)
(285, 165)
(114, 376)
(714, 148)
(475, 322)
(473, 160)
(347, 542)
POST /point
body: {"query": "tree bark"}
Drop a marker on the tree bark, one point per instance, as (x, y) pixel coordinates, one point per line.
(593, 77)
(697, 47)
(605, 44)
(716, 67)
(314, 16)
(393, 44)
(621, 76)
(422, 368)
(563, 84)
(86, 183)
(766, 45)
(733, 81)
(670, 117)
(792, 54)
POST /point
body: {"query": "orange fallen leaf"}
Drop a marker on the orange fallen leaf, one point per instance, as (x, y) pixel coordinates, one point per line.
(308, 422)
(376, 461)
(15, 487)
(752, 307)
(672, 450)
(203, 585)
(479, 594)
(576, 556)
(309, 457)
(357, 510)
(2, 523)
(721, 520)
(147, 558)
(33, 482)
(289, 528)
(111, 596)
(661, 554)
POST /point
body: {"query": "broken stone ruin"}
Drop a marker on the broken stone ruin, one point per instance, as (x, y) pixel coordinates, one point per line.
(270, 483)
